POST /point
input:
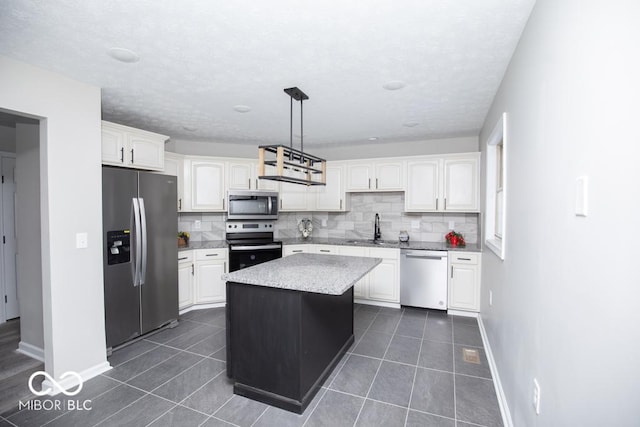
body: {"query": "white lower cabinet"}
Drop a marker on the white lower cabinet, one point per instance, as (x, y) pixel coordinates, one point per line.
(186, 273)
(296, 249)
(464, 281)
(200, 277)
(383, 282)
(361, 288)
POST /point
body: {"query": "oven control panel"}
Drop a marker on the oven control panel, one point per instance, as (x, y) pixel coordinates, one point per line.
(249, 226)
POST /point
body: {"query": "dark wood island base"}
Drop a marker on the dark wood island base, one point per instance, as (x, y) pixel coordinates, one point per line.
(282, 344)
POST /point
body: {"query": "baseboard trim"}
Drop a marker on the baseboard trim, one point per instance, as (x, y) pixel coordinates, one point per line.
(502, 398)
(462, 313)
(71, 381)
(376, 303)
(31, 350)
(202, 307)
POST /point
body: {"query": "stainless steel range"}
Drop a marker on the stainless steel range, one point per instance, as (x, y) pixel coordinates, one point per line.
(251, 243)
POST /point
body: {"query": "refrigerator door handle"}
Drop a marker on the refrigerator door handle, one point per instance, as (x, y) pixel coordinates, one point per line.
(138, 248)
(143, 232)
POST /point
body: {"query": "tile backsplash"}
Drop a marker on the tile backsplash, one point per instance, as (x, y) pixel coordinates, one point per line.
(355, 224)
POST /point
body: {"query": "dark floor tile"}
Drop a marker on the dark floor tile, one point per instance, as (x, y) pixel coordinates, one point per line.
(440, 315)
(241, 411)
(436, 355)
(403, 349)
(433, 392)
(217, 422)
(165, 371)
(5, 423)
(438, 330)
(130, 351)
(467, 335)
(390, 311)
(336, 370)
(478, 370)
(363, 319)
(356, 375)
(369, 308)
(209, 344)
(140, 413)
(15, 388)
(393, 384)
(411, 325)
(179, 416)
(190, 380)
(211, 396)
(211, 316)
(220, 354)
(385, 323)
(279, 417)
(141, 363)
(373, 344)
(102, 407)
(465, 320)
(380, 414)
(169, 334)
(194, 336)
(476, 401)
(335, 410)
(357, 334)
(419, 419)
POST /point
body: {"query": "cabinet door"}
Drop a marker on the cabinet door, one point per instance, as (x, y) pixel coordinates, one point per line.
(207, 186)
(331, 197)
(422, 186)
(361, 288)
(461, 185)
(359, 177)
(464, 289)
(144, 152)
(239, 175)
(388, 176)
(209, 285)
(383, 281)
(174, 165)
(113, 141)
(185, 284)
(293, 197)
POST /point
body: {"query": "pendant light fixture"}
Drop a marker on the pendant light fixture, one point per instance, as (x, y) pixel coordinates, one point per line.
(291, 165)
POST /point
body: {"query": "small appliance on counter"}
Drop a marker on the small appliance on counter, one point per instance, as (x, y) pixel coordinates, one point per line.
(403, 236)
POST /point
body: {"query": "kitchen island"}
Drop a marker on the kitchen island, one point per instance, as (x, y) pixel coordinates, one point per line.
(289, 322)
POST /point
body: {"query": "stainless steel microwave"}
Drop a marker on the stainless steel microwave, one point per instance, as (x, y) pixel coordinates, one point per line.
(245, 204)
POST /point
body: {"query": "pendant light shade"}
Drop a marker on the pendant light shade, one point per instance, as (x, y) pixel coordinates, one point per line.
(291, 165)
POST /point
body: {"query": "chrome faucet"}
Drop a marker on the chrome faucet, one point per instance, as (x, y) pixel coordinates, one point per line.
(376, 228)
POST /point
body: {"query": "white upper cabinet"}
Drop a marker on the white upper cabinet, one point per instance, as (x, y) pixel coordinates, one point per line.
(174, 165)
(134, 148)
(443, 183)
(373, 175)
(461, 184)
(331, 197)
(240, 175)
(204, 185)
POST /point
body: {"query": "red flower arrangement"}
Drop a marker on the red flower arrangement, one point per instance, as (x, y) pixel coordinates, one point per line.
(455, 239)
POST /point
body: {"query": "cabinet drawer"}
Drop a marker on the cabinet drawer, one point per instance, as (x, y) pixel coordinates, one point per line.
(326, 249)
(385, 253)
(210, 254)
(463, 258)
(185, 256)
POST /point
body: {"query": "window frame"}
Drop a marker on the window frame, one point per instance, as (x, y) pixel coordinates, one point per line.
(495, 193)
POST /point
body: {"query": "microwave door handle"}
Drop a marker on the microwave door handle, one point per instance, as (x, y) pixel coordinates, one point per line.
(270, 204)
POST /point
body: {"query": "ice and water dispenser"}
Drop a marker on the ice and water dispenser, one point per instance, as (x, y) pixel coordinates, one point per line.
(118, 247)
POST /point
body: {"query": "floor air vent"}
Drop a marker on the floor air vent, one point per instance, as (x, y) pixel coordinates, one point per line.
(471, 355)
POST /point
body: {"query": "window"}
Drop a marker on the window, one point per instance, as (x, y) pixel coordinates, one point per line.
(496, 187)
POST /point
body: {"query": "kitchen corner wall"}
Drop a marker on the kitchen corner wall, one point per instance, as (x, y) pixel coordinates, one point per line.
(355, 224)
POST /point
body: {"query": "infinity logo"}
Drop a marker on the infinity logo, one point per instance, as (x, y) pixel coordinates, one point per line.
(54, 382)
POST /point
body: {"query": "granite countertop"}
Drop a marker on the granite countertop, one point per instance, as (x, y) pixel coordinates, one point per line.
(394, 244)
(323, 274)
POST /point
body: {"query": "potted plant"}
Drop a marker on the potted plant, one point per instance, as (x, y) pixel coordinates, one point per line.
(455, 239)
(183, 239)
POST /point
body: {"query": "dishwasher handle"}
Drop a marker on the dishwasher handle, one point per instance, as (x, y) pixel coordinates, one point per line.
(425, 254)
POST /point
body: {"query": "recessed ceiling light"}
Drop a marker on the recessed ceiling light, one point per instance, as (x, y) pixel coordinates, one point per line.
(189, 128)
(123, 55)
(394, 85)
(242, 108)
(373, 138)
(410, 124)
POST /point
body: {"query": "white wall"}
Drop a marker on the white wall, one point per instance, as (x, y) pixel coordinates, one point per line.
(8, 139)
(334, 151)
(28, 235)
(71, 200)
(565, 299)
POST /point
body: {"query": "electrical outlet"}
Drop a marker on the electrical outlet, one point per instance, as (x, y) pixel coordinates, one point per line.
(490, 298)
(536, 396)
(81, 240)
(324, 222)
(415, 224)
(452, 225)
(197, 224)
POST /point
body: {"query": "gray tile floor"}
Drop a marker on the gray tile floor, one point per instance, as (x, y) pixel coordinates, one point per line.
(405, 369)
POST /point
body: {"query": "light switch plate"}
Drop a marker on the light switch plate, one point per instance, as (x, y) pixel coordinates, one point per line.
(197, 224)
(582, 196)
(81, 240)
(452, 225)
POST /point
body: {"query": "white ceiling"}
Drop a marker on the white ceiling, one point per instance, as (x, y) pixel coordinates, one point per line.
(199, 59)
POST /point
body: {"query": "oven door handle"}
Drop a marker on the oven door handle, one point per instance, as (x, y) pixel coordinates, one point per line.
(249, 247)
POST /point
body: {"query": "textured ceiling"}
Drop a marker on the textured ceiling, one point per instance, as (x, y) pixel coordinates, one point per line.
(199, 59)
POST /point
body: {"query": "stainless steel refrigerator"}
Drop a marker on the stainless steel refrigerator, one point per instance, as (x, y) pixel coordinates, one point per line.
(140, 226)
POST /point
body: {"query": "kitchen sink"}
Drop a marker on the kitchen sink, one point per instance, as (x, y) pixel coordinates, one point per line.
(373, 242)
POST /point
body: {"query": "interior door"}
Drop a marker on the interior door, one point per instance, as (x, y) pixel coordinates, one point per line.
(12, 309)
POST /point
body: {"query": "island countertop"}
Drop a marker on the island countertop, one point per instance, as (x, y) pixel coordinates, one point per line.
(318, 273)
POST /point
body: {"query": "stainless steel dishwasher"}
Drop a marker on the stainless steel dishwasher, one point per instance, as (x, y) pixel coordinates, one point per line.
(423, 278)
